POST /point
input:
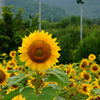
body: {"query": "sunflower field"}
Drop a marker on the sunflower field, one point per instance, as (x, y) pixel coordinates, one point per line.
(49, 65)
(32, 73)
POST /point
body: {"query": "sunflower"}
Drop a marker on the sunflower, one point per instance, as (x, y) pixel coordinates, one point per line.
(12, 64)
(84, 63)
(39, 51)
(19, 97)
(68, 69)
(93, 97)
(3, 76)
(98, 74)
(86, 76)
(92, 57)
(4, 54)
(12, 54)
(85, 89)
(21, 68)
(73, 84)
(94, 68)
(96, 83)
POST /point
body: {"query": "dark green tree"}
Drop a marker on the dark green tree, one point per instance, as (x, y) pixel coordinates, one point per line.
(18, 19)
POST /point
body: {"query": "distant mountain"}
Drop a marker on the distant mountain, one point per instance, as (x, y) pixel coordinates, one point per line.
(32, 7)
(91, 8)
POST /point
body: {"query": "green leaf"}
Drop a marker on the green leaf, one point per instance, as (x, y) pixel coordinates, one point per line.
(54, 86)
(12, 71)
(28, 93)
(47, 93)
(97, 91)
(16, 79)
(59, 98)
(58, 76)
(12, 94)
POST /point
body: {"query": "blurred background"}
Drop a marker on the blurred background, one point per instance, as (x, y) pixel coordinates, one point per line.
(61, 18)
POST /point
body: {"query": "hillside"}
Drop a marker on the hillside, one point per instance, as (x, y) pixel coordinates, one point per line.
(32, 7)
(91, 8)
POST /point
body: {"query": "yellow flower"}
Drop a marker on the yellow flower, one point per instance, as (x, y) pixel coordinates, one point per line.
(39, 51)
(98, 74)
(84, 63)
(86, 76)
(96, 83)
(68, 69)
(92, 57)
(94, 68)
(93, 97)
(12, 64)
(73, 84)
(15, 60)
(4, 54)
(3, 76)
(21, 68)
(19, 97)
(85, 89)
(4, 62)
(12, 54)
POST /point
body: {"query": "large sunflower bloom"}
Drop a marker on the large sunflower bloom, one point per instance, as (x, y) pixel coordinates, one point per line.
(3, 76)
(39, 51)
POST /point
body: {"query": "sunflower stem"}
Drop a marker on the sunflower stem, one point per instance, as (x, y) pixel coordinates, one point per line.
(37, 82)
(1, 90)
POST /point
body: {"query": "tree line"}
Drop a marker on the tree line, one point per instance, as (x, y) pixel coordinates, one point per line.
(66, 30)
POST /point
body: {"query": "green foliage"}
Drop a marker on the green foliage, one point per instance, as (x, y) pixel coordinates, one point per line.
(45, 24)
(11, 94)
(89, 45)
(16, 79)
(63, 23)
(12, 29)
(46, 93)
(18, 20)
(58, 76)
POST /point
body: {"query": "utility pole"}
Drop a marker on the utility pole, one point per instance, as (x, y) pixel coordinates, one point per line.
(30, 16)
(80, 1)
(39, 16)
(81, 23)
(51, 19)
(1, 5)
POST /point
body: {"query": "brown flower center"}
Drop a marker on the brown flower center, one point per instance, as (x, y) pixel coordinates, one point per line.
(71, 85)
(2, 76)
(86, 76)
(91, 57)
(95, 68)
(84, 64)
(85, 88)
(13, 54)
(39, 51)
(12, 64)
